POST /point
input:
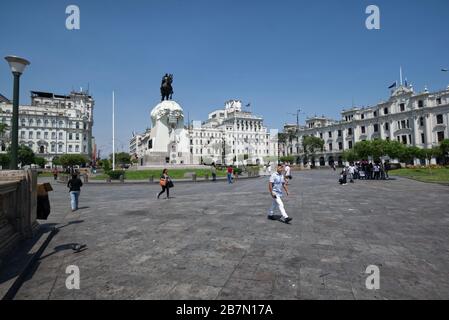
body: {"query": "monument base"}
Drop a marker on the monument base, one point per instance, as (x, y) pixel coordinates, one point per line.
(156, 158)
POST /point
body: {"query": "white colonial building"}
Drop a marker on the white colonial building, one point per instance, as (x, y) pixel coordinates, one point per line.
(229, 135)
(415, 119)
(53, 125)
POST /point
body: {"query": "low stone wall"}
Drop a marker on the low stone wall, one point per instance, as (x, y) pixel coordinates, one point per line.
(18, 206)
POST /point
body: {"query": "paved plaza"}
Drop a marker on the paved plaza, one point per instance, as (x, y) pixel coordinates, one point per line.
(214, 241)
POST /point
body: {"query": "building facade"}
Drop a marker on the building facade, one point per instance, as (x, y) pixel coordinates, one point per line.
(230, 135)
(415, 119)
(53, 125)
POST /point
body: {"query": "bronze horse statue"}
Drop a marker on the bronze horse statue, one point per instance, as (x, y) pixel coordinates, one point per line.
(166, 87)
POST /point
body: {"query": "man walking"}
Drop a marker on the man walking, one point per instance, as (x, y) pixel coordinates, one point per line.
(74, 186)
(276, 184)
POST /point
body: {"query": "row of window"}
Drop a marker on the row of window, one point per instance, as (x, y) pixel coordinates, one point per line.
(46, 135)
(386, 110)
(44, 149)
(403, 124)
(53, 124)
(218, 152)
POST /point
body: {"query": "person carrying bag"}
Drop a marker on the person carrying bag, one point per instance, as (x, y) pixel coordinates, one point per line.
(166, 183)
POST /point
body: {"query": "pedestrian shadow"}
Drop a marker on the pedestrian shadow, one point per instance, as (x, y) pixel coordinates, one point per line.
(81, 208)
(63, 247)
(70, 223)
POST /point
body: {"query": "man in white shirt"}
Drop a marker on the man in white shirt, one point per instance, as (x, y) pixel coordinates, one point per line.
(351, 171)
(276, 185)
(288, 173)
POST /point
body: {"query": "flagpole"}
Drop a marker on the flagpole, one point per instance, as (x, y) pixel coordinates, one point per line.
(400, 73)
(113, 130)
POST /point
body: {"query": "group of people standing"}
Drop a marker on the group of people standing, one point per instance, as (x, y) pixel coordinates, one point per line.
(364, 170)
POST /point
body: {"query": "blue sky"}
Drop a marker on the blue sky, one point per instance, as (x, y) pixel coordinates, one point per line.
(278, 55)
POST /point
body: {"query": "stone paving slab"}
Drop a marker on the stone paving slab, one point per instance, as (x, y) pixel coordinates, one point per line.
(213, 241)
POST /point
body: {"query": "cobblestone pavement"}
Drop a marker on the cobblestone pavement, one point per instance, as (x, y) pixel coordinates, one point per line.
(214, 241)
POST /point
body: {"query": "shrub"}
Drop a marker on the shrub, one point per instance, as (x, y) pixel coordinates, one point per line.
(69, 160)
(4, 160)
(41, 162)
(290, 159)
(237, 171)
(115, 174)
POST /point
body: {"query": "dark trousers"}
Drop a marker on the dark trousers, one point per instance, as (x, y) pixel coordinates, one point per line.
(164, 188)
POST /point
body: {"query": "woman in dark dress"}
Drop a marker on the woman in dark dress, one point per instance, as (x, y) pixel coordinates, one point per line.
(165, 183)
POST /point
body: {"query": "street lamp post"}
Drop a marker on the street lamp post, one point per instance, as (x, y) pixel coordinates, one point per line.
(17, 66)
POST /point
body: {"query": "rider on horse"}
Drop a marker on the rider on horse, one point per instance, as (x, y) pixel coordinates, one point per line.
(166, 87)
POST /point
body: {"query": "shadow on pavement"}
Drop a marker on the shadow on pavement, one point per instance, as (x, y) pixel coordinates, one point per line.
(21, 263)
(14, 264)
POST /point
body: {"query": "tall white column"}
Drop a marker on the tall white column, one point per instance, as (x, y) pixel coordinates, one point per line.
(113, 130)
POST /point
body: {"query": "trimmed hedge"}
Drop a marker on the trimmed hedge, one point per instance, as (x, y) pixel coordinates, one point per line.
(115, 174)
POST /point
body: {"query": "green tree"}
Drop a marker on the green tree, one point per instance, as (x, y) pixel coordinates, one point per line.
(25, 155)
(311, 145)
(5, 159)
(408, 154)
(350, 155)
(106, 165)
(290, 159)
(379, 149)
(3, 127)
(41, 162)
(282, 137)
(394, 149)
(121, 158)
(70, 160)
(363, 149)
(57, 161)
(444, 148)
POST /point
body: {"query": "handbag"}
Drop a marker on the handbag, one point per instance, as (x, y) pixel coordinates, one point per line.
(170, 184)
(163, 182)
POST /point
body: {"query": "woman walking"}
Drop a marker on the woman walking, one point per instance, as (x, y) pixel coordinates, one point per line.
(165, 183)
(74, 185)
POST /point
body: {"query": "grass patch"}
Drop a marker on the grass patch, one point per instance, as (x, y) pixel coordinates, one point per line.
(425, 175)
(173, 173)
(45, 174)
